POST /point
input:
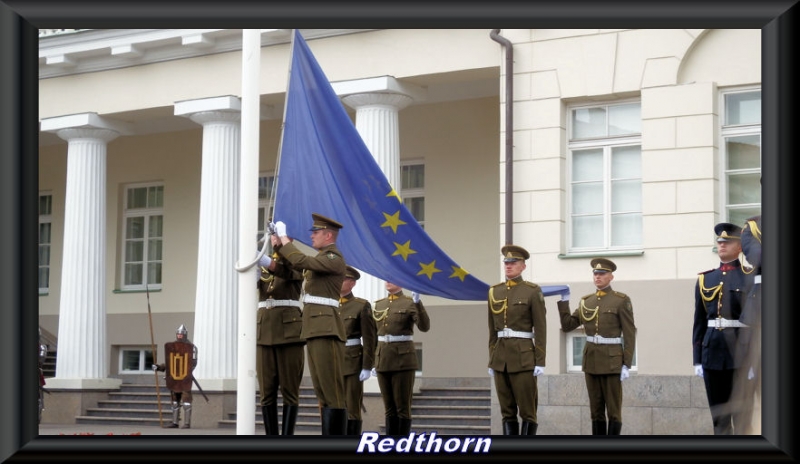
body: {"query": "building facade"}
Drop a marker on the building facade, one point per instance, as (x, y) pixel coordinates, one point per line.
(628, 144)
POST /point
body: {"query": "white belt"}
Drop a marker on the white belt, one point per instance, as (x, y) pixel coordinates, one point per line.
(272, 303)
(320, 300)
(600, 340)
(722, 323)
(352, 342)
(757, 279)
(395, 338)
(508, 333)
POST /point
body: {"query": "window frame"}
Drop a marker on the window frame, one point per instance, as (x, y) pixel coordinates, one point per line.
(727, 131)
(148, 213)
(143, 363)
(607, 144)
(45, 219)
(408, 194)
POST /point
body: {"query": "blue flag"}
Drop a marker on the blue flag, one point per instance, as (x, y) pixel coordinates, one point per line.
(326, 168)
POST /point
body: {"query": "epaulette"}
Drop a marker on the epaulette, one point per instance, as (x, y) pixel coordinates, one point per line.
(706, 272)
(501, 284)
(620, 294)
(360, 300)
(530, 284)
(587, 296)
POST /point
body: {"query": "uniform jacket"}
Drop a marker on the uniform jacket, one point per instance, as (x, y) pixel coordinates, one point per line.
(613, 318)
(751, 247)
(396, 315)
(356, 314)
(324, 274)
(517, 305)
(279, 325)
(714, 348)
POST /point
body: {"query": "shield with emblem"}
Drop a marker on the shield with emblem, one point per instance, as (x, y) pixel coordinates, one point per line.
(179, 365)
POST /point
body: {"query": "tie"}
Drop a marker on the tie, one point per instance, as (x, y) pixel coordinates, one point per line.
(511, 283)
(392, 297)
(601, 293)
(342, 300)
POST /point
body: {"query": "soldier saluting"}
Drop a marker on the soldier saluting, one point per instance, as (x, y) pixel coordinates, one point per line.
(181, 356)
(607, 318)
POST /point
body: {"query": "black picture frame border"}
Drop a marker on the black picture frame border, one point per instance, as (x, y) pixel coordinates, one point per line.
(19, 21)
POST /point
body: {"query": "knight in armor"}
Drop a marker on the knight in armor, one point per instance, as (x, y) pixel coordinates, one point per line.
(181, 359)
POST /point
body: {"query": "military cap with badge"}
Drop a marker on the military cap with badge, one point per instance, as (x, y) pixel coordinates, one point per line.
(514, 253)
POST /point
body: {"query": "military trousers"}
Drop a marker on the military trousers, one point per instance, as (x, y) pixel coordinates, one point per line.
(397, 387)
(280, 366)
(517, 392)
(325, 363)
(605, 396)
(725, 416)
(354, 396)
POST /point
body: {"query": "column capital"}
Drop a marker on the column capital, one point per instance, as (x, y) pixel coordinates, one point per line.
(205, 117)
(382, 85)
(395, 100)
(105, 135)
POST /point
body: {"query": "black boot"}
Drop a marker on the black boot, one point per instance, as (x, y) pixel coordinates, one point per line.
(403, 426)
(354, 427)
(510, 428)
(289, 418)
(599, 427)
(334, 421)
(391, 425)
(529, 428)
(269, 414)
(614, 427)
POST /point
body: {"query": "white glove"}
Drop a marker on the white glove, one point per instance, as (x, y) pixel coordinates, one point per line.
(491, 372)
(155, 367)
(565, 294)
(280, 229)
(265, 261)
(624, 374)
(698, 370)
(537, 371)
(374, 372)
(751, 374)
(415, 297)
(364, 375)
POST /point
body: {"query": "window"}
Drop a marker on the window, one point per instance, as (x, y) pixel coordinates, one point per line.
(45, 229)
(605, 187)
(134, 360)
(412, 185)
(575, 343)
(143, 217)
(741, 154)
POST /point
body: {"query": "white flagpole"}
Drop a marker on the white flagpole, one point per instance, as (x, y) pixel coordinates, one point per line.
(248, 230)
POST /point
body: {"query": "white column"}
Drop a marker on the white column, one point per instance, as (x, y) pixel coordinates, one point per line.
(377, 122)
(216, 297)
(82, 351)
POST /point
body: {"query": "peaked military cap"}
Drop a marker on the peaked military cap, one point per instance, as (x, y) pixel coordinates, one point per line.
(321, 222)
(603, 265)
(514, 253)
(351, 273)
(726, 231)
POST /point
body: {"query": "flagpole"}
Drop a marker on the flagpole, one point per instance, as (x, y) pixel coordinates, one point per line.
(248, 230)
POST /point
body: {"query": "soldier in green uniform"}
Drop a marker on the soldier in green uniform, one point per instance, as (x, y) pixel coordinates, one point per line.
(517, 343)
(607, 317)
(359, 351)
(279, 349)
(396, 357)
(323, 329)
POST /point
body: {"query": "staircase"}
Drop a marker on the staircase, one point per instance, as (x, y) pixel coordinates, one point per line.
(308, 418)
(49, 364)
(451, 411)
(134, 404)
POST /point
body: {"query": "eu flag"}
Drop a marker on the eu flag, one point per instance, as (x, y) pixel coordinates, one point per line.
(326, 168)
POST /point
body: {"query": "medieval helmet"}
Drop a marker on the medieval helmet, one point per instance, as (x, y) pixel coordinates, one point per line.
(182, 331)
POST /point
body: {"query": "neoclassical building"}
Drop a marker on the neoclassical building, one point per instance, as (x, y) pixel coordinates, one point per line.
(629, 144)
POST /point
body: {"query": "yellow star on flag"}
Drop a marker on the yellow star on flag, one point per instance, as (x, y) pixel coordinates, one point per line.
(428, 269)
(393, 221)
(459, 272)
(404, 250)
(393, 193)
